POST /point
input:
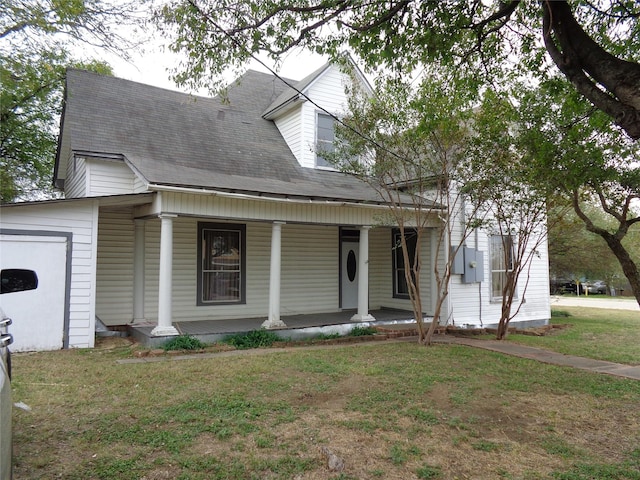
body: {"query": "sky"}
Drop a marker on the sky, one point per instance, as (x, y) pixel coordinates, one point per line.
(153, 67)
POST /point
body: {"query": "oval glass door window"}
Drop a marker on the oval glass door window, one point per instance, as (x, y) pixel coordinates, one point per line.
(351, 265)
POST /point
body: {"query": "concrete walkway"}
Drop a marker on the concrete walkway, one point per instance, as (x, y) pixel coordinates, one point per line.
(547, 356)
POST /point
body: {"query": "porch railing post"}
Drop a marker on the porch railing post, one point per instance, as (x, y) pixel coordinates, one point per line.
(273, 320)
(165, 290)
(363, 278)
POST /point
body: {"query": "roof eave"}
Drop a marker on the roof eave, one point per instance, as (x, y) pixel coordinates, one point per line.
(284, 107)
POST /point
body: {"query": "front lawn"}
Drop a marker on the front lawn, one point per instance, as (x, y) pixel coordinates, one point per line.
(612, 335)
(387, 410)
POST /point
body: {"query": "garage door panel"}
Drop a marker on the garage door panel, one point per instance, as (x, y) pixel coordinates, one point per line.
(38, 315)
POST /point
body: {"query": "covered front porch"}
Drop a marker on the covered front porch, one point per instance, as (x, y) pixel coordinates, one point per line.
(297, 326)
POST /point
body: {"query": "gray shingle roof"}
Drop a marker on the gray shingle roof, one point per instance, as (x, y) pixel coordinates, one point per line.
(292, 93)
(177, 139)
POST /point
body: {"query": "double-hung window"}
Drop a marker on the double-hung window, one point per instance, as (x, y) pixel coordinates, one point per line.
(221, 263)
(501, 262)
(400, 286)
(325, 136)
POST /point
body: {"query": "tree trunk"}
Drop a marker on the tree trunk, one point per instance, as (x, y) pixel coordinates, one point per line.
(589, 67)
(614, 242)
(434, 322)
(629, 268)
(507, 302)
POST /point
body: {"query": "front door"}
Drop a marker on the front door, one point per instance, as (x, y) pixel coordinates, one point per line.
(349, 274)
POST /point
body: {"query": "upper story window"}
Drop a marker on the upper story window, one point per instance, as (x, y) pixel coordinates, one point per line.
(501, 262)
(221, 267)
(325, 135)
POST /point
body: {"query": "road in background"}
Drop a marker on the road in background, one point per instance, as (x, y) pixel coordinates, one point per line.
(595, 302)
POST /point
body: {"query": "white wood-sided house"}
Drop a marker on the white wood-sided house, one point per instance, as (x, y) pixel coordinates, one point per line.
(180, 208)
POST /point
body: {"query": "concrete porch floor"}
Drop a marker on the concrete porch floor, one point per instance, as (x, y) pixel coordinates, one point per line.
(298, 326)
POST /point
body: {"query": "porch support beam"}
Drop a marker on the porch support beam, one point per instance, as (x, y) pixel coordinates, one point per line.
(165, 290)
(138, 271)
(363, 278)
(273, 320)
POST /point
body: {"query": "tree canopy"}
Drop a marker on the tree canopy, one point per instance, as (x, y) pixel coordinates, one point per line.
(595, 44)
(39, 40)
(569, 71)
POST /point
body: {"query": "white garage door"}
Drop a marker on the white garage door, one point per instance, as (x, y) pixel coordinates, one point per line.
(38, 315)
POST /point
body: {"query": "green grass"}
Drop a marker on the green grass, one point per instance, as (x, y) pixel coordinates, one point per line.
(611, 335)
(390, 410)
(427, 472)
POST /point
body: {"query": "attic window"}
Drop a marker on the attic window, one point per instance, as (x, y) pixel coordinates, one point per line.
(325, 136)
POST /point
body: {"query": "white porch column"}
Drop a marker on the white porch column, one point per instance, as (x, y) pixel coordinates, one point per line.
(138, 271)
(164, 327)
(363, 278)
(273, 321)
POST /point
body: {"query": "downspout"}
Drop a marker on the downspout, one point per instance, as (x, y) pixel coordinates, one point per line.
(447, 247)
(477, 241)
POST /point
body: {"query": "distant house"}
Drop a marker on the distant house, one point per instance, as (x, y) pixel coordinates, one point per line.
(181, 208)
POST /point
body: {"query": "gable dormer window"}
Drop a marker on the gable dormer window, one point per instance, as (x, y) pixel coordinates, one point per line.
(325, 136)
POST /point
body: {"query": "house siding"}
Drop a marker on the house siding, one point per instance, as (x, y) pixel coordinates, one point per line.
(108, 177)
(80, 220)
(291, 130)
(309, 282)
(310, 266)
(309, 271)
(76, 182)
(114, 279)
(472, 303)
(91, 177)
(327, 91)
(259, 210)
(139, 186)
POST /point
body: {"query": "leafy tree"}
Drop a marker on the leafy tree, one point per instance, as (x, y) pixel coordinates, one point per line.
(572, 51)
(36, 43)
(500, 180)
(574, 149)
(577, 254)
(412, 143)
(30, 104)
(595, 44)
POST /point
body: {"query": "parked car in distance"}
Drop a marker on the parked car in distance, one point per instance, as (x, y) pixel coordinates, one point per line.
(599, 286)
(11, 281)
(561, 287)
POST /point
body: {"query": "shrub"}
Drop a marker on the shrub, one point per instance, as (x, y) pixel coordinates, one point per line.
(183, 342)
(252, 339)
(359, 331)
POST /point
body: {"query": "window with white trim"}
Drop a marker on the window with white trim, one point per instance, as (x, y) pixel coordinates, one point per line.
(221, 263)
(400, 286)
(325, 136)
(502, 250)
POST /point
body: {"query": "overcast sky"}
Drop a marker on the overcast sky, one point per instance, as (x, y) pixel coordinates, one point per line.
(153, 67)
